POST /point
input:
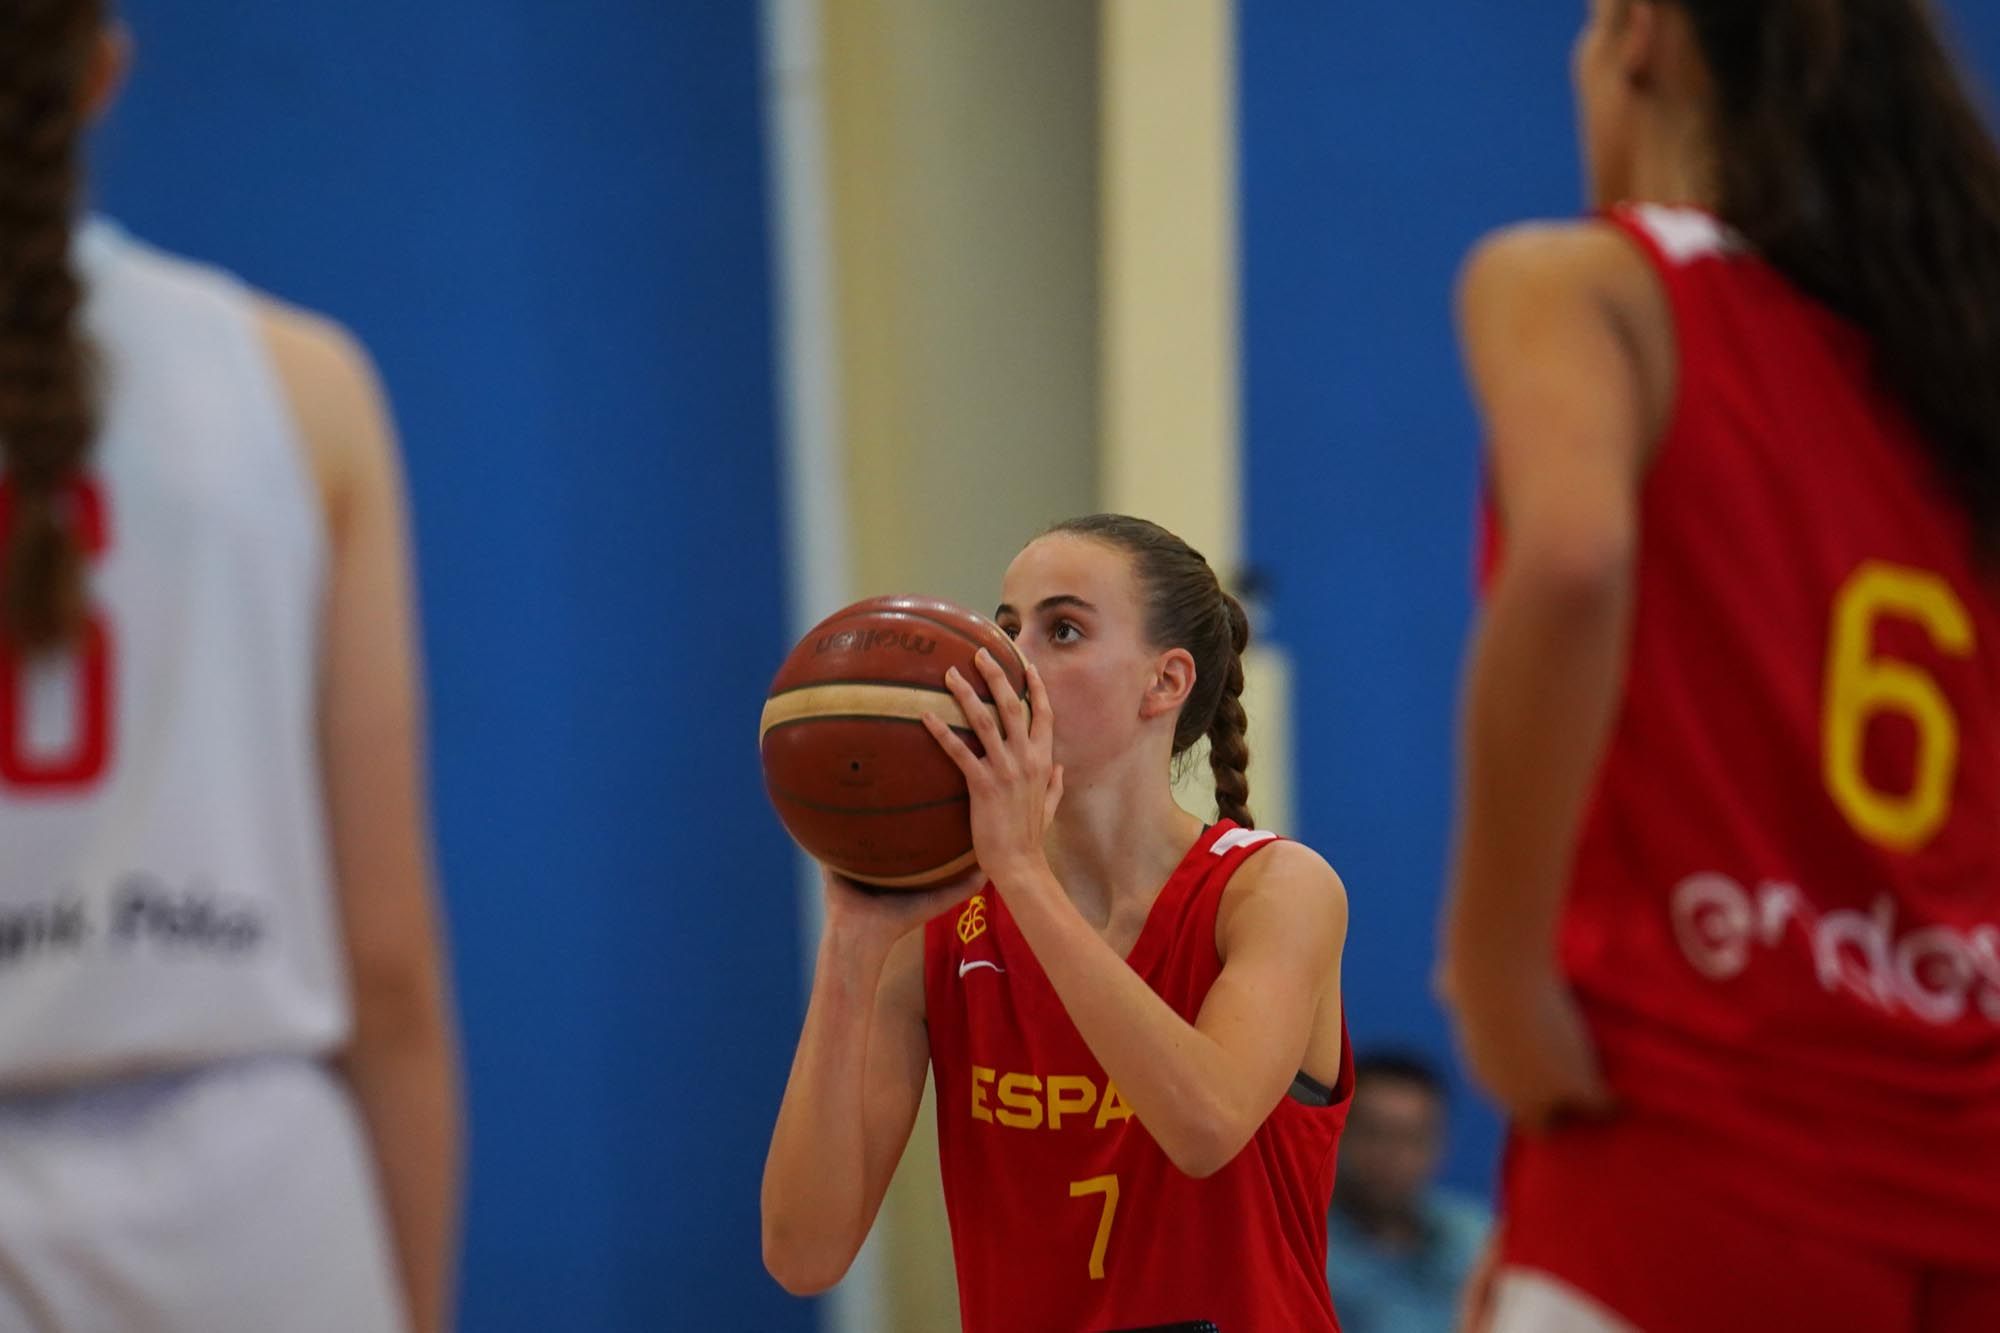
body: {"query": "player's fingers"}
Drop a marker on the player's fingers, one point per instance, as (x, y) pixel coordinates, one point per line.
(955, 748)
(1041, 718)
(978, 713)
(1005, 701)
(1584, 1091)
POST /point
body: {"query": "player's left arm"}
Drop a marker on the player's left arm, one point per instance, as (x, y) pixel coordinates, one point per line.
(1562, 328)
(401, 1056)
(1202, 1089)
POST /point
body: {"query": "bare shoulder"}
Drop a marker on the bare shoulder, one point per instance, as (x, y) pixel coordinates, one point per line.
(1539, 261)
(1287, 884)
(316, 357)
(335, 395)
(1566, 295)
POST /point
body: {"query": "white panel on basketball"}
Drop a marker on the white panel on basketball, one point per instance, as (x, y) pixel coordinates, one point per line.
(906, 702)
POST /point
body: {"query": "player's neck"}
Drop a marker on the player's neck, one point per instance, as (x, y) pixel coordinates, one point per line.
(1117, 840)
(1675, 165)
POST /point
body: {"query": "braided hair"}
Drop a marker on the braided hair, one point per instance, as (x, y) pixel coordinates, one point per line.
(46, 415)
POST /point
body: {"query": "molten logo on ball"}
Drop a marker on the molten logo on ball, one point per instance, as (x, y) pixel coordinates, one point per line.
(869, 640)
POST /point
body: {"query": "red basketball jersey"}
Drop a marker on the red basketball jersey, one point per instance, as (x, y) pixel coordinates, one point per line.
(1066, 1217)
(1784, 917)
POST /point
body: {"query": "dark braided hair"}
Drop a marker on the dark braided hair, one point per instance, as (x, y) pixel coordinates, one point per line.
(46, 415)
(1853, 158)
(1187, 608)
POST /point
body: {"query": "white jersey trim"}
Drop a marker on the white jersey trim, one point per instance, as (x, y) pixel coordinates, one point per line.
(1239, 837)
(1686, 234)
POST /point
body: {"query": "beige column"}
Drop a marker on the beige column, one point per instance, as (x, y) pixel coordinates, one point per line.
(965, 223)
(1169, 335)
(963, 148)
(1168, 247)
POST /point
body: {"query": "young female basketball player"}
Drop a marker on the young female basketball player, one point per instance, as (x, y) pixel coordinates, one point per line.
(1725, 930)
(1135, 1024)
(227, 1099)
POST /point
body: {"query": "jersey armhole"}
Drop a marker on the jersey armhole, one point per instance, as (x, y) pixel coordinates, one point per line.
(1305, 1089)
(1669, 269)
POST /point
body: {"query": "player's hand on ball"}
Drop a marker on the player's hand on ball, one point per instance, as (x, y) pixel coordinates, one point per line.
(1016, 785)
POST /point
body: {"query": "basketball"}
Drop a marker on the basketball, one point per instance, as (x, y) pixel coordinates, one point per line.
(855, 777)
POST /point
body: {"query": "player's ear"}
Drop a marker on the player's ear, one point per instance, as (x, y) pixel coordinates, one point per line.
(1639, 42)
(1172, 683)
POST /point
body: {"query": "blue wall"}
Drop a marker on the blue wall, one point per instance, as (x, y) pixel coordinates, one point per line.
(548, 223)
(1379, 141)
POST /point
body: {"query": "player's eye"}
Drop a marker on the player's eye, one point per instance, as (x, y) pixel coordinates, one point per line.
(1066, 631)
(1010, 629)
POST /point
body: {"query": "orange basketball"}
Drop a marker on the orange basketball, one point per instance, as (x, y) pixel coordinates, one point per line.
(854, 775)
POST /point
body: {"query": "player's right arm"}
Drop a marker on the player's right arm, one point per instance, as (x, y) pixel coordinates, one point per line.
(855, 1085)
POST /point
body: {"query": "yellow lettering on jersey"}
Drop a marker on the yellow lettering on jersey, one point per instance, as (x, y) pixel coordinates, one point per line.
(1114, 1107)
(1069, 1094)
(1021, 1094)
(1031, 1101)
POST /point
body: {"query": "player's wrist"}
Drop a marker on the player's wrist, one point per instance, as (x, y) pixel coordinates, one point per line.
(855, 946)
(1025, 876)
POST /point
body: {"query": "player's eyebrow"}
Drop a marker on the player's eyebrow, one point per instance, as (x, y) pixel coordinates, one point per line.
(1047, 604)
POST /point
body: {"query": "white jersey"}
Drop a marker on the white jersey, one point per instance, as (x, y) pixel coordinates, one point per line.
(165, 890)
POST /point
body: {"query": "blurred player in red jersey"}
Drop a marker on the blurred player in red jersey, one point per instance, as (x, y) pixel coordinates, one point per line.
(1135, 1023)
(1724, 935)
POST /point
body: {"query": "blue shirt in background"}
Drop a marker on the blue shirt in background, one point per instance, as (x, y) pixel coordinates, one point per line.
(1412, 1290)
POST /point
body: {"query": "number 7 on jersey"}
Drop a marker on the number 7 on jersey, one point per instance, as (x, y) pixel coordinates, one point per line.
(1108, 1187)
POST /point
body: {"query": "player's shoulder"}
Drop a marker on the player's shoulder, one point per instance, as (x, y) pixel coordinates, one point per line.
(1540, 262)
(144, 276)
(1287, 878)
(313, 349)
(330, 383)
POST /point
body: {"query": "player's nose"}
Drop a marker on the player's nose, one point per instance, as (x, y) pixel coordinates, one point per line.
(1026, 646)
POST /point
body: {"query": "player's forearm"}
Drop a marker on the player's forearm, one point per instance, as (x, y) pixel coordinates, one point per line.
(1177, 1080)
(1541, 697)
(814, 1196)
(403, 1070)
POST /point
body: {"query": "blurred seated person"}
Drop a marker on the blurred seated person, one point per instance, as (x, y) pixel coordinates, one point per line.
(1399, 1248)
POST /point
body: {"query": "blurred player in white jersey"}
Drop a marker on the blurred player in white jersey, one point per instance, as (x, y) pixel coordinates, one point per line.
(228, 1089)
